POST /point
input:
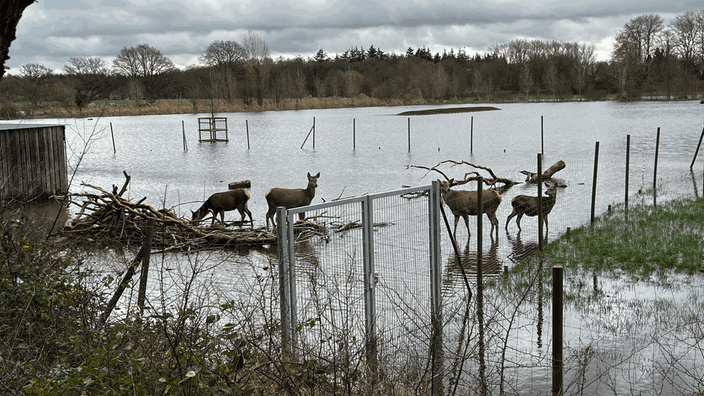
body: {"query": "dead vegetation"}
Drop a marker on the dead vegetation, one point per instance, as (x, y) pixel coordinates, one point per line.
(106, 216)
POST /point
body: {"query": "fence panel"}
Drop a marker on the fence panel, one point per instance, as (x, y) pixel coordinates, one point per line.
(363, 282)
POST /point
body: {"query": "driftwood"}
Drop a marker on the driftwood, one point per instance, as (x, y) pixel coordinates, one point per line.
(107, 217)
(240, 184)
(501, 184)
(532, 177)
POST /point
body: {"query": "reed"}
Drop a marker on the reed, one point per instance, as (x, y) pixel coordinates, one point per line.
(200, 106)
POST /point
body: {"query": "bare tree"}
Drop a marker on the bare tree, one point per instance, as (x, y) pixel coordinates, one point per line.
(583, 66)
(684, 28)
(551, 77)
(526, 80)
(634, 46)
(146, 65)
(440, 81)
(91, 78)
(258, 62)
(224, 53)
(227, 60)
(9, 18)
(35, 80)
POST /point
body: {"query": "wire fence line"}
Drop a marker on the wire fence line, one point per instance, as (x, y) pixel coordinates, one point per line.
(382, 313)
(406, 322)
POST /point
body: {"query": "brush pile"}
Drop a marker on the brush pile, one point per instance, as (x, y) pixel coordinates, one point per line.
(107, 217)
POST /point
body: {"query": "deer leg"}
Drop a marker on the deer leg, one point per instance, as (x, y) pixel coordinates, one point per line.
(222, 218)
(454, 232)
(251, 221)
(545, 220)
(512, 215)
(466, 223)
(270, 215)
(518, 221)
(494, 222)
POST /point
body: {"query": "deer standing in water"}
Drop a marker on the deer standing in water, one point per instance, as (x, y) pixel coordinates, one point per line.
(465, 203)
(221, 202)
(528, 205)
(290, 198)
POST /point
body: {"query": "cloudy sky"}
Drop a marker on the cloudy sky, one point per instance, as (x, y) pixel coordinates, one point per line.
(52, 31)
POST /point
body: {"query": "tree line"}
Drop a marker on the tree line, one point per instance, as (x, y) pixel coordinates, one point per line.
(649, 58)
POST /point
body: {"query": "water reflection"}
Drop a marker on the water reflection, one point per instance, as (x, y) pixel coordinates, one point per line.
(519, 249)
(491, 264)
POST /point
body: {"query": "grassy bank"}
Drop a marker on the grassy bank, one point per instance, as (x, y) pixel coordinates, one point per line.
(654, 239)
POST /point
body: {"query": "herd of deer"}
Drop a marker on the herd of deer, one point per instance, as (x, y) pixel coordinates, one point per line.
(465, 203)
(221, 202)
(462, 204)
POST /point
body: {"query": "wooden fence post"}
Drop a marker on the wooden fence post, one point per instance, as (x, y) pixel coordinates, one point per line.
(114, 150)
(655, 169)
(144, 273)
(596, 166)
(628, 165)
(246, 125)
(557, 319)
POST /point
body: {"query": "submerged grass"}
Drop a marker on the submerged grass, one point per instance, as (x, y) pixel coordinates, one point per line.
(653, 239)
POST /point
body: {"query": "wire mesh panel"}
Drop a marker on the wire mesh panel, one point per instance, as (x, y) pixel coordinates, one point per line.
(363, 270)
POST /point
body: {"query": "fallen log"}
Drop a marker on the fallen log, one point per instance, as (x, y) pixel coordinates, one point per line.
(240, 184)
(533, 177)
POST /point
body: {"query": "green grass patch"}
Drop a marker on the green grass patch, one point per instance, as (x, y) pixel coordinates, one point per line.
(654, 239)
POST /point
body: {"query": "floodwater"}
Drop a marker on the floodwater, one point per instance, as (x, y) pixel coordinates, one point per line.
(366, 150)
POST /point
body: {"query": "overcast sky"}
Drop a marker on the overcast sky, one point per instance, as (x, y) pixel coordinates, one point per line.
(52, 31)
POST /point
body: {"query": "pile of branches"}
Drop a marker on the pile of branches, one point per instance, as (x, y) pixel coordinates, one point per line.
(107, 217)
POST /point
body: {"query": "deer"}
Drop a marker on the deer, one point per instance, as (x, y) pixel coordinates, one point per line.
(465, 203)
(290, 198)
(221, 202)
(528, 205)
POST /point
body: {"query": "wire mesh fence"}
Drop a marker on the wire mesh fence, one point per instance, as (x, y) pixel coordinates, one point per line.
(621, 335)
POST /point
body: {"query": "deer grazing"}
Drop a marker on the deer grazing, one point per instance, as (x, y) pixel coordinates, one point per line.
(528, 205)
(221, 202)
(464, 204)
(290, 198)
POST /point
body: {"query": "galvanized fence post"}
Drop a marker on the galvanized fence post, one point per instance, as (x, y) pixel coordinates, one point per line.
(293, 294)
(370, 277)
(436, 288)
(284, 289)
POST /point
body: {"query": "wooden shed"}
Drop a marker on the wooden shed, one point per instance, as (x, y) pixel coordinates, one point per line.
(32, 161)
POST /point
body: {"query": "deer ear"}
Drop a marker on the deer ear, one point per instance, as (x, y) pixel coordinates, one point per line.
(318, 175)
(309, 175)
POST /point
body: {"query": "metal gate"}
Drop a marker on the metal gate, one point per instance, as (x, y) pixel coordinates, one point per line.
(363, 276)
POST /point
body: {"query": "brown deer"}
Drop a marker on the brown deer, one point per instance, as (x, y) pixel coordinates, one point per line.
(221, 202)
(290, 198)
(464, 204)
(528, 205)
